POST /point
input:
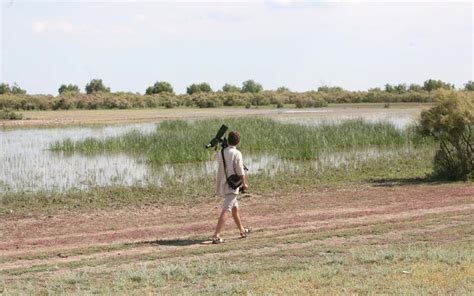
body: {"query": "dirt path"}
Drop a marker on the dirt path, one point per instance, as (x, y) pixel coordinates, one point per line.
(101, 237)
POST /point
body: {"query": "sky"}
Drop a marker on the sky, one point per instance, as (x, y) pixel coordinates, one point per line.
(300, 45)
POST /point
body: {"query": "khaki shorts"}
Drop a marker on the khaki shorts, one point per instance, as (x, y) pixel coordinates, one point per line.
(230, 201)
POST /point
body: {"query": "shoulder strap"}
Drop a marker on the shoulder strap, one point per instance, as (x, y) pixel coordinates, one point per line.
(223, 159)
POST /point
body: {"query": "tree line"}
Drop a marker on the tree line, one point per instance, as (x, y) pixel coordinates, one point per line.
(161, 94)
(249, 86)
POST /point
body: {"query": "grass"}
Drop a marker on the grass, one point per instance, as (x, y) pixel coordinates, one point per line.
(356, 267)
(182, 141)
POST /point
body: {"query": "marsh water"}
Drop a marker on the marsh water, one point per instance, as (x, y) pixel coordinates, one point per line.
(27, 164)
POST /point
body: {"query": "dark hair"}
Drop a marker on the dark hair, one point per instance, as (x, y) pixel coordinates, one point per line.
(234, 138)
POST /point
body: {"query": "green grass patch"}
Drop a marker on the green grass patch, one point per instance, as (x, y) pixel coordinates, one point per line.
(182, 141)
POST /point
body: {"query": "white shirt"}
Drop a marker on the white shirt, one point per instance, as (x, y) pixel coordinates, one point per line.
(234, 165)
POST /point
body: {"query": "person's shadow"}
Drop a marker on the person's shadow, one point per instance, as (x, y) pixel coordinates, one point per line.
(171, 242)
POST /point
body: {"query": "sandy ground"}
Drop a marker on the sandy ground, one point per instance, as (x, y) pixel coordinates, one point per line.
(59, 240)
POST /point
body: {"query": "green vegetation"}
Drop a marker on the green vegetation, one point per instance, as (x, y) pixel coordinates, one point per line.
(431, 84)
(180, 141)
(469, 86)
(159, 87)
(96, 85)
(15, 89)
(230, 88)
(72, 88)
(6, 114)
(451, 122)
(161, 94)
(197, 88)
(251, 86)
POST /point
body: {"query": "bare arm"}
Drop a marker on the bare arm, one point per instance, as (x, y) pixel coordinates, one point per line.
(244, 186)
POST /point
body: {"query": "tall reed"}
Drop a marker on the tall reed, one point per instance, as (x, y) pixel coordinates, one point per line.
(183, 141)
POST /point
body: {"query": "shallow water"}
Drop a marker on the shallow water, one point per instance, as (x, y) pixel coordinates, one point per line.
(26, 164)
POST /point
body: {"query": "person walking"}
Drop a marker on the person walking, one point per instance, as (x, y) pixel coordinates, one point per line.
(233, 165)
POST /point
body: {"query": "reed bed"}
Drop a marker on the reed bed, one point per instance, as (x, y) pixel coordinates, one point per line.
(183, 141)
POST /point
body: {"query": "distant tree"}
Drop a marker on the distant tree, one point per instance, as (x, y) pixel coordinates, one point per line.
(400, 88)
(68, 88)
(396, 88)
(431, 84)
(469, 85)
(389, 88)
(230, 88)
(283, 89)
(197, 88)
(17, 90)
(251, 86)
(159, 87)
(415, 87)
(5, 88)
(330, 89)
(374, 89)
(96, 85)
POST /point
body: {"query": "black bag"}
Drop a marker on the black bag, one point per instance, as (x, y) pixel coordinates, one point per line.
(234, 180)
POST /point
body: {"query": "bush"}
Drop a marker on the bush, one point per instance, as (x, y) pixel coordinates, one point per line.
(251, 86)
(6, 114)
(96, 85)
(197, 88)
(230, 88)
(159, 87)
(451, 122)
(68, 88)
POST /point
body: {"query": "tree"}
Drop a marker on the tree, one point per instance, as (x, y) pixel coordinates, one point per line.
(374, 89)
(469, 85)
(431, 84)
(389, 88)
(330, 89)
(4, 88)
(17, 90)
(415, 87)
(451, 123)
(159, 87)
(96, 85)
(197, 88)
(230, 88)
(400, 88)
(282, 89)
(251, 86)
(72, 88)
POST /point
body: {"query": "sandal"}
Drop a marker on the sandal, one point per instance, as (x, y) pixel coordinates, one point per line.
(246, 231)
(217, 240)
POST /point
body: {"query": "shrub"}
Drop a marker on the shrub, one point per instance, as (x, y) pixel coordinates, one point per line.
(259, 100)
(159, 87)
(6, 114)
(96, 85)
(469, 85)
(251, 86)
(197, 88)
(203, 101)
(230, 88)
(451, 122)
(68, 88)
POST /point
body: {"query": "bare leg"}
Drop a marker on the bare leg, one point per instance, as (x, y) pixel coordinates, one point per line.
(236, 216)
(220, 224)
